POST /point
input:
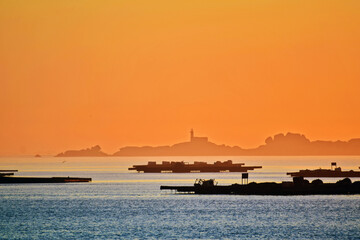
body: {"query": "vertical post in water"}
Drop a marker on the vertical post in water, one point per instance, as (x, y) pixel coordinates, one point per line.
(244, 177)
(333, 164)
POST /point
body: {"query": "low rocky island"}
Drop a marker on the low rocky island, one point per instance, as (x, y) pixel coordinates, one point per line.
(94, 151)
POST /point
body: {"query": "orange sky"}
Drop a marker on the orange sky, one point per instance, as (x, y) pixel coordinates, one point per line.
(138, 72)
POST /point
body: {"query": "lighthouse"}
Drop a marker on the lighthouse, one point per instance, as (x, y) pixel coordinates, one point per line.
(197, 139)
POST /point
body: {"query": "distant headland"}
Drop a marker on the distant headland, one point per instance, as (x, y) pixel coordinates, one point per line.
(290, 144)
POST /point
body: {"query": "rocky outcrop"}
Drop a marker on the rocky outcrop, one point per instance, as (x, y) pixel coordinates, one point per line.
(94, 151)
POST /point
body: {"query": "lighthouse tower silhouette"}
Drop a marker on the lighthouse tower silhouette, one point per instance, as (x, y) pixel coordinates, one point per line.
(197, 139)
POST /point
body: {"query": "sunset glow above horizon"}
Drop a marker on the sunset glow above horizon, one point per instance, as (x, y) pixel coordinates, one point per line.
(75, 74)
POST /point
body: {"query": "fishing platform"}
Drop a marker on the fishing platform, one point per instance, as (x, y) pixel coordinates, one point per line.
(333, 173)
(184, 167)
(6, 177)
(299, 186)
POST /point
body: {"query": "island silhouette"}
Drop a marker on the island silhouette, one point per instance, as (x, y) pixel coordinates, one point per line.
(94, 151)
(290, 144)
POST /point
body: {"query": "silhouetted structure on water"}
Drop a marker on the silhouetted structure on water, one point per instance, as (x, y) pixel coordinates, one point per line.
(299, 186)
(337, 172)
(5, 177)
(183, 167)
(5, 173)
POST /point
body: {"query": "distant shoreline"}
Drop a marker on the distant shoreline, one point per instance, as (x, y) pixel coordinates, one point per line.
(291, 144)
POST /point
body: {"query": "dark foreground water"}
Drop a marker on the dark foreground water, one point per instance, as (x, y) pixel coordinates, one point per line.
(122, 205)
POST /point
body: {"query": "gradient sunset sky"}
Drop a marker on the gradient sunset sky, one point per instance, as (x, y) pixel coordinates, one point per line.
(78, 73)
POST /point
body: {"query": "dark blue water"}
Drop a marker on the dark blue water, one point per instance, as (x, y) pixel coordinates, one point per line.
(122, 205)
(140, 210)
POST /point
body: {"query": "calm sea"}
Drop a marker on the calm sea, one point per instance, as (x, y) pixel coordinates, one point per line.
(119, 204)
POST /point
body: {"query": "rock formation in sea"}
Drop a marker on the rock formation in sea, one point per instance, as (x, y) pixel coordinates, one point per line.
(94, 151)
